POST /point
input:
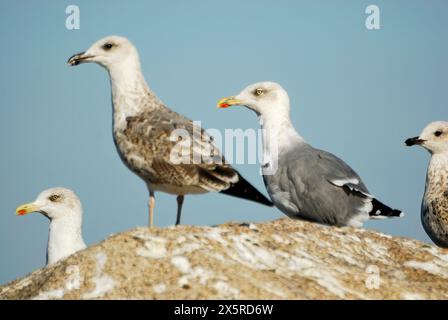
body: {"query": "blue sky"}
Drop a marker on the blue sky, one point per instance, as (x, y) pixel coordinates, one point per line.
(354, 92)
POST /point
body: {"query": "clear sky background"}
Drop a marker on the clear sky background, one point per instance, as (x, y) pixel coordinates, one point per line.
(354, 92)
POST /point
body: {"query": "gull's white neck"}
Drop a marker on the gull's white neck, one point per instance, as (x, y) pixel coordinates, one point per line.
(278, 128)
(128, 88)
(439, 161)
(279, 136)
(437, 176)
(65, 237)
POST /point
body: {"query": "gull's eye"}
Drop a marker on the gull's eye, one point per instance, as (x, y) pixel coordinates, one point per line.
(259, 92)
(55, 197)
(438, 133)
(107, 46)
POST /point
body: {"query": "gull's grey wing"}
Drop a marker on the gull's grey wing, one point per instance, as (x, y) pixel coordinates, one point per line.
(315, 185)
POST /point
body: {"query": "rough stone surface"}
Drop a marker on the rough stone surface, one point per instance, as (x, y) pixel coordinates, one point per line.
(283, 259)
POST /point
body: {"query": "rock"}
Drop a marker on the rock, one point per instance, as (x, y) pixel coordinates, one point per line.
(283, 259)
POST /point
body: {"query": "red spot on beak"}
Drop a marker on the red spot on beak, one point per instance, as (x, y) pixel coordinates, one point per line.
(224, 105)
(21, 212)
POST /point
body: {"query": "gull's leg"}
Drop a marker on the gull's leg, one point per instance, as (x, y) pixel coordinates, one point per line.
(152, 204)
(180, 201)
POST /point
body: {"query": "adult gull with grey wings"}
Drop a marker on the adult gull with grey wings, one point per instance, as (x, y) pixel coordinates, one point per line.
(305, 182)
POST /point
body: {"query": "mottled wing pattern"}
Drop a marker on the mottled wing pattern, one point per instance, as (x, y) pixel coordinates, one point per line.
(435, 218)
(172, 151)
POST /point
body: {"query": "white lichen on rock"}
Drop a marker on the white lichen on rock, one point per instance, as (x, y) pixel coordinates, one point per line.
(283, 259)
(103, 282)
(154, 248)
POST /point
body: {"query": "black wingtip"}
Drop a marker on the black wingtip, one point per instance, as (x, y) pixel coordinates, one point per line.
(380, 210)
(243, 189)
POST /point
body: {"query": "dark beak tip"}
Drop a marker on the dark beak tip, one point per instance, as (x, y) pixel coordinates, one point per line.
(75, 59)
(73, 63)
(413, 141)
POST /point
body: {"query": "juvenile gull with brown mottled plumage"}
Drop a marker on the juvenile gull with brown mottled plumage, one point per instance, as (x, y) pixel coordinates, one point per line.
(434, 212)
(143, 127)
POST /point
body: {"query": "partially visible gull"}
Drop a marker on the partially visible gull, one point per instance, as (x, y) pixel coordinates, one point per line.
(434, 210)
(64, 210)
(143, 130)
(305, 182)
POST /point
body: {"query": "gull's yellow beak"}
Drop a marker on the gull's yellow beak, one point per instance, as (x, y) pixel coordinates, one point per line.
(229, 101)
(26, 208)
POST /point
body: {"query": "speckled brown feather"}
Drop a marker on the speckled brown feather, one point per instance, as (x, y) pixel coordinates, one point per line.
(435, 206)
(147, 148)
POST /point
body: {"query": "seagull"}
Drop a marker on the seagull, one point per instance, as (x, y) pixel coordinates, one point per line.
(434, 210)
(302, 181)
(64, 210)
(146, 134)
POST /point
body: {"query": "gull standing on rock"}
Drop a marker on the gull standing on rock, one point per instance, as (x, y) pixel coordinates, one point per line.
(307, 183)
(434, 210)
(64, 210)
(143, 130)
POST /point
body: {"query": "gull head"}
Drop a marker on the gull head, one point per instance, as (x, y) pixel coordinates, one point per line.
(433, 138)
(107, 52)
(264, 98)
(55, 203)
